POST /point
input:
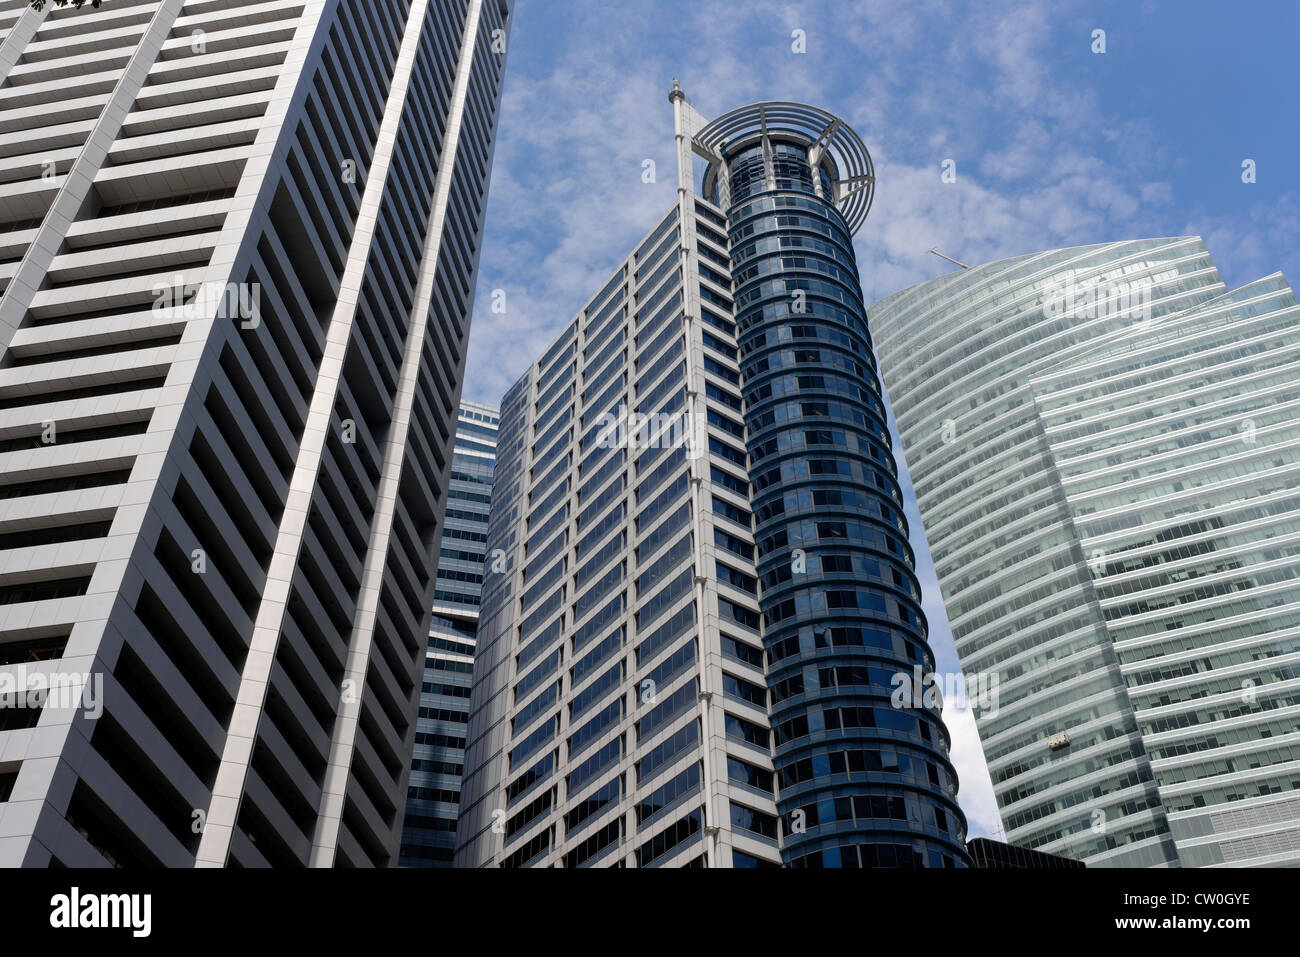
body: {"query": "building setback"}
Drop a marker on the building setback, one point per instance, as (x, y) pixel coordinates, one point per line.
(1105, 447)
(237, 262)
(433, 792)
(688, 652)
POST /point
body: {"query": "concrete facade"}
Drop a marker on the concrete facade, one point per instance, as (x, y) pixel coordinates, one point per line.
(237, 271)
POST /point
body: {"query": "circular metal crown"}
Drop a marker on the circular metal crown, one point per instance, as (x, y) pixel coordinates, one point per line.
(853, 177)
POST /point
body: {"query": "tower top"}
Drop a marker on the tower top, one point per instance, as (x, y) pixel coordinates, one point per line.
(834, 151)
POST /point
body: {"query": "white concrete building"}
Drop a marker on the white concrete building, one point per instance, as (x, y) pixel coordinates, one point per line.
(238, 241)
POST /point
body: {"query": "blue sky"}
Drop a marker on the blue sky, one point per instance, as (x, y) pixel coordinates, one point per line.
(1054, 145)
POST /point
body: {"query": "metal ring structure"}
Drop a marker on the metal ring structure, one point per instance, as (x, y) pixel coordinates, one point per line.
(853, 175)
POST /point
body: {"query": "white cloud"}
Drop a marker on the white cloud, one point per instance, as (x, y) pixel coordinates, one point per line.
(1039, 163)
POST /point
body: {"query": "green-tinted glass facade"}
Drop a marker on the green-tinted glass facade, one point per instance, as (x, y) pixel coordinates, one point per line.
(1103, 442)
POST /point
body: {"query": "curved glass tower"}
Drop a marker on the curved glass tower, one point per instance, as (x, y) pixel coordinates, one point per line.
(839, 598)
(1105, 447)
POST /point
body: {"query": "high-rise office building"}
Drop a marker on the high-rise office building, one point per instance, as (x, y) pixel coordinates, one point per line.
(688, 654)
(433, 792)
(1105, 447)
(238, 253)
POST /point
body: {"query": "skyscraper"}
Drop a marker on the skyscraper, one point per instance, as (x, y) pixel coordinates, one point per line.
(433, 793)
(1105, 447)
(239, 253)
(688, 654)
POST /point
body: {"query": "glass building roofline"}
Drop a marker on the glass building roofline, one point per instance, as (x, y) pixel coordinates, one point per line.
(833, 148)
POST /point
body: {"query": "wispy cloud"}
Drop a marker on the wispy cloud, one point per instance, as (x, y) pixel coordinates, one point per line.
(1009, 94)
